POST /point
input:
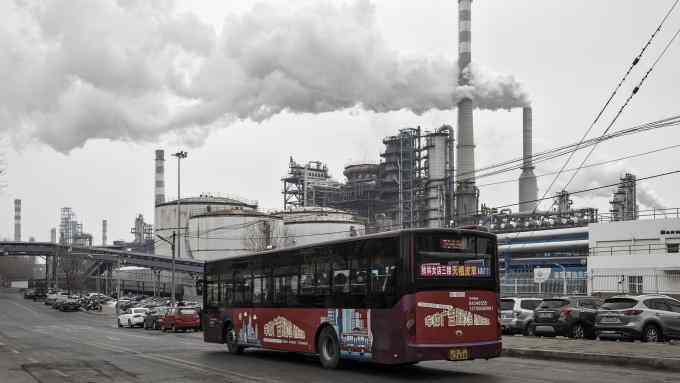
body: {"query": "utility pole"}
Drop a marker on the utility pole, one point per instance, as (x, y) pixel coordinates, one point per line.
(176, 236)
(172, 279)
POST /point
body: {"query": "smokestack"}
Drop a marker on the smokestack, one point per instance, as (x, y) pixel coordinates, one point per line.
(53, 235)
(104, 229)
(466, 191)
(160, 177)
(159, 190)
(528, 188)
(17, 220)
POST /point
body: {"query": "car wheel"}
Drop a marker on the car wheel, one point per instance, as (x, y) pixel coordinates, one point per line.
(231, 341)
(328, 348)
(119, 324)
(651, 333)
(173, 328)
(156, 326)
(129, 323)
(577, 331)
(529, 330)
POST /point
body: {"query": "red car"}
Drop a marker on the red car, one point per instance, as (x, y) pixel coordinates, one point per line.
(181, 318)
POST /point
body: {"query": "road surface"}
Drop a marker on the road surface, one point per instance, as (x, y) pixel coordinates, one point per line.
(39, 344)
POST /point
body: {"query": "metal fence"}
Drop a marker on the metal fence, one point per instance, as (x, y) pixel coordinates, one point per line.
(597, 283)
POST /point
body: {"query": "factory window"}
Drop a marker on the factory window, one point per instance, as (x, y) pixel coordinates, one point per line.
(635, 284)
(673, 247)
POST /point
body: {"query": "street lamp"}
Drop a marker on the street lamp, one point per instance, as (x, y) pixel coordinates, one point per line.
(564, 278)
(180, 155)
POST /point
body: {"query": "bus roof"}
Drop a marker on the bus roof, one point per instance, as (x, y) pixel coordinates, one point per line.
(384, 234)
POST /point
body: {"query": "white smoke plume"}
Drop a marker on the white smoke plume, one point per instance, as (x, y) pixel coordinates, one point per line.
(607, 175)
(74, 70)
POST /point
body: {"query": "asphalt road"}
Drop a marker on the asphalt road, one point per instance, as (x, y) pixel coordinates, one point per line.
(39, 344)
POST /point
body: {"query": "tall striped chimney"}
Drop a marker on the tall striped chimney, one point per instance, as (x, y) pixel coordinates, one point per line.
(160, 177)
(53, 235)
(159, 190)
(528, 188)
(105, 225)
(466, 192)
(17, 220)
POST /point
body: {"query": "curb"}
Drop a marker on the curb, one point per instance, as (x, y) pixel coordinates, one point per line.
(667, 364)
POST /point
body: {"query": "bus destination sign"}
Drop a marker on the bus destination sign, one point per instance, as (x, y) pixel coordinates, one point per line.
(439, 270)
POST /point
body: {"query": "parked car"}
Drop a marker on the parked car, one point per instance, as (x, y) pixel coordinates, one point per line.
(566, 316)
(29, 294)
(152, 319)
(181, 318)
(133, 317)
(70, 304)
(54, 296)
(650, 318)
(517, 315)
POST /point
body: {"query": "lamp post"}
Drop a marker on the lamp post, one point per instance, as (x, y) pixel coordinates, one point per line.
(177, 238)
(564, 278)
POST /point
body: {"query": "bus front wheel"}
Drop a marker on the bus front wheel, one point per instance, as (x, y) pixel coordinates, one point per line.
(231, 341)
(328, 348)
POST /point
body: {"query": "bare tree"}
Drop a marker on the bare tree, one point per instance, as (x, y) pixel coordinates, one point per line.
(73, 267)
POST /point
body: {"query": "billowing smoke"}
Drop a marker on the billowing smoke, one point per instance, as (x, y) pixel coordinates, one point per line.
(74, 70)
(607, 175)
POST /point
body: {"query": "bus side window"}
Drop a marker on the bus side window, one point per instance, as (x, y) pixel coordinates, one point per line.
(323, 276)
(383, 267)
(358, 270)
(227, 288)
(258, 293)
(340, 270)
(307, 280)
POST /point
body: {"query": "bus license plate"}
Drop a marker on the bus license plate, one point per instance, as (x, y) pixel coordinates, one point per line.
(459, 354)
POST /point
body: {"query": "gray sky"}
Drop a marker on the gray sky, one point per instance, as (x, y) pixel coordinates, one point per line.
(91, 89)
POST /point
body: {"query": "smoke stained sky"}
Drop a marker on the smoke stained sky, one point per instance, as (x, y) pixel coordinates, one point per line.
(233, 83)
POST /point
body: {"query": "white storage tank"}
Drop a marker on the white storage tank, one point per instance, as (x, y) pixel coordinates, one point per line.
(307, 225)
(233, 232)
(166, 214)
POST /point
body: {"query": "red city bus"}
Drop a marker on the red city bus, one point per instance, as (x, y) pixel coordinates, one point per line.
(396, 298)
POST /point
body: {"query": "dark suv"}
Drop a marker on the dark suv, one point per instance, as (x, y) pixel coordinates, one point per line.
(566, 316)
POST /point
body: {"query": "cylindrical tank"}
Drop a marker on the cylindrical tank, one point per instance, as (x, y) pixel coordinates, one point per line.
(166, 218)
(304, 226)
(233, 232)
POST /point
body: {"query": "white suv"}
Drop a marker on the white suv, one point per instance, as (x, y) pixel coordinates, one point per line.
(517, 315)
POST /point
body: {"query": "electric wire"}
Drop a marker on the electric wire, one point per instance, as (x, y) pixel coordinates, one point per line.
(514, 180)
(614, 92)
(626, 103)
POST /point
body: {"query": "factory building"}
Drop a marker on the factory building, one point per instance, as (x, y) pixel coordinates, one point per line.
(635, 257)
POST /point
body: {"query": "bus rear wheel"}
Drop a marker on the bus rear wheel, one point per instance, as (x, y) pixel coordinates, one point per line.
(230, 340)
(328, 348)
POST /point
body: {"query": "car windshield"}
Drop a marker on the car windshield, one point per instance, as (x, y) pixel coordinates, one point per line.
(553, 303)
(507, 304)
(618, 303)
(187, 311)
(138, 311)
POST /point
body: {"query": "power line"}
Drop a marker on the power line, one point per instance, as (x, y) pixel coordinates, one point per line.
(625, 104)
(594, 188)
(612, 95)
(515, 164)
(587, 166)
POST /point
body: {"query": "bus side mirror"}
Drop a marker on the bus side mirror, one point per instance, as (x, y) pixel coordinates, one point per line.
(199, 287)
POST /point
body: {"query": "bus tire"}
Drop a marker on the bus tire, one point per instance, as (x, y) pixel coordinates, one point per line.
(231, 341)
(328, 348)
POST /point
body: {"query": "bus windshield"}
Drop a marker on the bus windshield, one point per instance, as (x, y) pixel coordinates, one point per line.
(453, 256)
